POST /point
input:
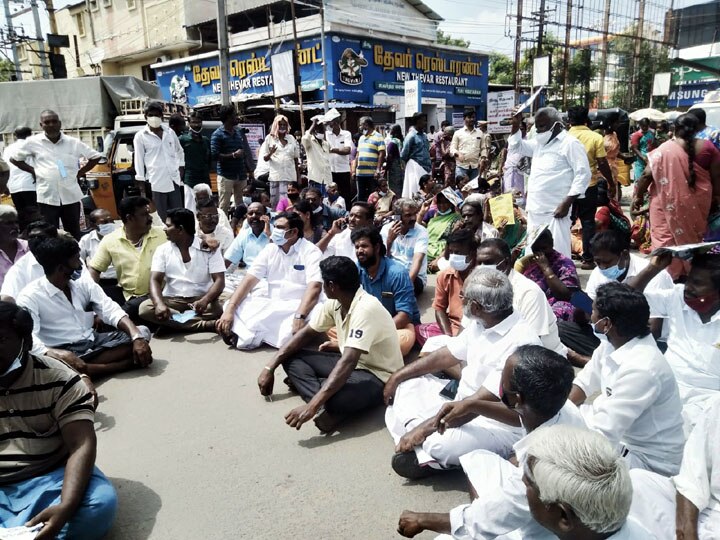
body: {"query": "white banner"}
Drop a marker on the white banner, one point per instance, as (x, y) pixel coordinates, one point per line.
(283, 73)
(412, 98)
(500, 106)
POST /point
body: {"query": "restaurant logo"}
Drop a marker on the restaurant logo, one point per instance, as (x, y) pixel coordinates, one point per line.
(351, 64)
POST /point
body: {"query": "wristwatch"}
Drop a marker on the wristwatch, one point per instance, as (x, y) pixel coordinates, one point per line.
(299, 316)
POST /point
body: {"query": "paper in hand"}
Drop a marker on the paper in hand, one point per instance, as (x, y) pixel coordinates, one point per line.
(501, 208)
(184, 317)
(20, 533)
(687, 251)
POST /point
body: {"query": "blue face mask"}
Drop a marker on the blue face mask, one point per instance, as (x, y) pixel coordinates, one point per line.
(614, 272)
(445, 213)
(278, 237)
(602, 336)
(76, 274)
(247, 201)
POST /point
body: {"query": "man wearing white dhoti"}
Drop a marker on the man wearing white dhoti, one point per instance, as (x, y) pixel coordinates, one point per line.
(288, 271)
(560, 174)
(483, 347)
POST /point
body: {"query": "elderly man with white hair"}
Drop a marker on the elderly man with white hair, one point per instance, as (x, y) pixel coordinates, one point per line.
(203, 194)
(560, 174)
(12, 248)
(536, 383)
(476, 357)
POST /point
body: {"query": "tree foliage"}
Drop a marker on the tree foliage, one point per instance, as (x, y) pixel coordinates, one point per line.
(447, 39)
(6, 70)
(502, 69)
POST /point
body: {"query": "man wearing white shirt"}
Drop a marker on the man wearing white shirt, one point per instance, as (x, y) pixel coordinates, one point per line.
(611, 253)
(289, 270)
(639, 408)
(63, 308)
(535, 386)
(102, 224)
(341, 146)
(56, 169)
(159, 160)
(27, 269)
(21, 184)
(194, 278)
(692, 312)
(698, 482)
(207, 225)
(528, 298)
(560, 174)
(337, 241)
(417, 397)
(407, 242)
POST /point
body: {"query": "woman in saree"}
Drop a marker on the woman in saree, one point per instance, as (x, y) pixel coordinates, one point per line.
(683, 181)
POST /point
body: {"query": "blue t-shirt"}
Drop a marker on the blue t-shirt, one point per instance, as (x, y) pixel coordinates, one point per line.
(246, 246)
(393, 288)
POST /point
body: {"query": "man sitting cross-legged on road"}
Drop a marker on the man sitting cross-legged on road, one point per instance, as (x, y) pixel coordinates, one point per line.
(47, 456)
(342, 384)
(194, 279)
(536, 383)
(63, 309)
(493, 334)
(289, 270)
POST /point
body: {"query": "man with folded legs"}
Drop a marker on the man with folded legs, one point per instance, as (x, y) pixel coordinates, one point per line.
(334, 385)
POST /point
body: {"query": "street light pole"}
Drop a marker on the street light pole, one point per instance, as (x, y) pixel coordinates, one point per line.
(296, 56)
(223, 50)
(324, 56)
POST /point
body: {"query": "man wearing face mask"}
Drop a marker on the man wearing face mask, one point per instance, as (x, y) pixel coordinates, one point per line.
(27, 269)
(102, 224)
(639, 408)
(63, 308)
(252, 239)
(460, 252)
(388, 281)
(159, 160)
(317, 151)
(47, 459)
(290, 266)
(196, 147)
(693, 313)
(535, 386)
(493, 333)
(560, 174)
(314, 196)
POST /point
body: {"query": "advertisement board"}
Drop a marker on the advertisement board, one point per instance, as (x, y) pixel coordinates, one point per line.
(500, 106)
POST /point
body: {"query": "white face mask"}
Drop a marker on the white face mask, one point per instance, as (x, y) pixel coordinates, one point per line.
(320, 136)
(197, 132)
(458, 262)
(544, 137)
(105, 228)
(17, 363)
(278, 237)
(154, 121)
(318, 210)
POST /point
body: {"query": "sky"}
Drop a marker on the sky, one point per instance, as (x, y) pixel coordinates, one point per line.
(483, 22)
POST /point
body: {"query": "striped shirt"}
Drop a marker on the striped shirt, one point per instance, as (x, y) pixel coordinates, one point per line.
(47, 396)
(369, 148)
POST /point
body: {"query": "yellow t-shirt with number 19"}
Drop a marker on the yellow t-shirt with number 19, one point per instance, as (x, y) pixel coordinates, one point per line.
(368, 327)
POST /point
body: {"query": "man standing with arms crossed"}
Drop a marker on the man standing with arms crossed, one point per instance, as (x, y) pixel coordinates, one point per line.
(56, 171)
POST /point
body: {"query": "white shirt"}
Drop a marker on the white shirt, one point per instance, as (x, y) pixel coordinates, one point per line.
(693, 348)
(341, 246)
(56, 166)
(405, 246)
(338, 203)
(22, 273)
(502, 506)
(530, 301)
(560, 169)
(223, 235)
(88, 247)
(467, 143)
(639, 405)
(299, 267)
(187, 279)
(318, 158)
(485, 350)
(663, 281)
(699, 479)
(56, 321)
(283, 162)
(19, 180)
(338, 163)
(157, 160)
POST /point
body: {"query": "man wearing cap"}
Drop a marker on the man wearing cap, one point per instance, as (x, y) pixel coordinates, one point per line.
(317, 150)
(465, 147)
(341, 145)
(417, 146)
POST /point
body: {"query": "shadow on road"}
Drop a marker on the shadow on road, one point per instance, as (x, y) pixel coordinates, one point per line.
(138, 506)
(361, 426)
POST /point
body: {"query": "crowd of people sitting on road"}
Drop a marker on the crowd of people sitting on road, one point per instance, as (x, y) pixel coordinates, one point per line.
(575, 412)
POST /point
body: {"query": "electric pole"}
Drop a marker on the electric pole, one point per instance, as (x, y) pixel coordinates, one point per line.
(634, 81)
(604, 52)
(222, 31)
(13, 46)
(324, 56)
(44, 60)
(566, 67)
(541, 29)
(518, 40)
(296, 56)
